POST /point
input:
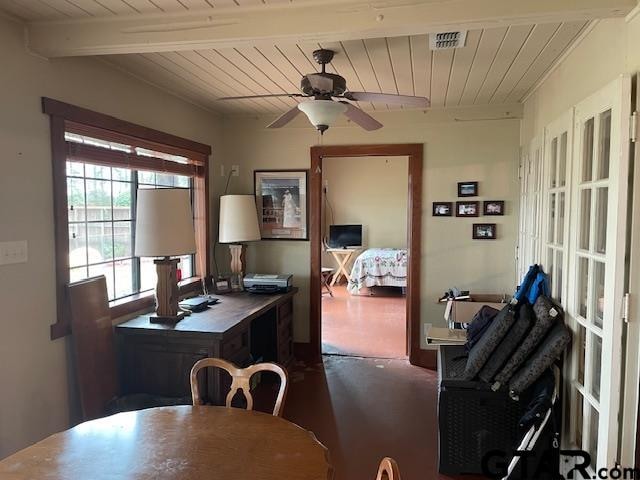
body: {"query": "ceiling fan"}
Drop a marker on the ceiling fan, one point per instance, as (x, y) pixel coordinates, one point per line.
(329, 97)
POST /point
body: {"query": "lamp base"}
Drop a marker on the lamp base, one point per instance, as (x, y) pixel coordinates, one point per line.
(237, 266)
(167, 294)
(169, 320)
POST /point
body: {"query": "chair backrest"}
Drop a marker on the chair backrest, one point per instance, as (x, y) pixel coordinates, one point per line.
(92, 336)
(388, 470)
(241, 378)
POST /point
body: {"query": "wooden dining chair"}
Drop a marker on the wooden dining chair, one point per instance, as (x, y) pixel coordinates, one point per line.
(241, 380)
(388, 470)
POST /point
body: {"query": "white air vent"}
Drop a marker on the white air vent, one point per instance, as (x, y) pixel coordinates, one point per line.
(447, 40)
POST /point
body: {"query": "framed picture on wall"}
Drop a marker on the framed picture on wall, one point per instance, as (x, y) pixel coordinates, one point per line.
(494, 207)
(442, 209)
(467, 209)
(282, 203)
(484, 231)
(467, 189)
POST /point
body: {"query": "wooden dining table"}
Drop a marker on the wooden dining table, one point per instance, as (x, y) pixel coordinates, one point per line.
(182, 442)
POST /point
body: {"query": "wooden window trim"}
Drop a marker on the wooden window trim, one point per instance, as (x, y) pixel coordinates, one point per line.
(65, 117)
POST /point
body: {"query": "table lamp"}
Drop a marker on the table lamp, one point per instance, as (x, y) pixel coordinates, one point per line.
(164, 228)
(238, 223)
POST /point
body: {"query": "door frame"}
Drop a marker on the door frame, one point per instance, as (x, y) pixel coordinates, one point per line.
(414, 151)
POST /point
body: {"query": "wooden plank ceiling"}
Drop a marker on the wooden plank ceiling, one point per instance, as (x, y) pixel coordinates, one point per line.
(496, 65)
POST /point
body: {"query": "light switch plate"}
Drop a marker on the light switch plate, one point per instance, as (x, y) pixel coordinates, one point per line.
(13, 252)
(235, 170)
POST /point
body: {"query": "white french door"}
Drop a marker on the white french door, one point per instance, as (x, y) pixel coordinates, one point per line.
(558, 147)
(530, 207)
(596, 267)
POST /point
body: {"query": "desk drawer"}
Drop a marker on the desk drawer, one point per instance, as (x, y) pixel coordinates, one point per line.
(231, 347)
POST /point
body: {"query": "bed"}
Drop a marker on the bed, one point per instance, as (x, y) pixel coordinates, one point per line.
(379, 267)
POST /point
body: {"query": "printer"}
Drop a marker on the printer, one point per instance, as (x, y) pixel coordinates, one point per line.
(267, 282)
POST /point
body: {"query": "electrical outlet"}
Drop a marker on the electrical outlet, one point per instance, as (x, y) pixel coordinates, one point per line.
(235, 170)
(13, 252)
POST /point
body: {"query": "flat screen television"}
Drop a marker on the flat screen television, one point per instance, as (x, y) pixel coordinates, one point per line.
(344, 236)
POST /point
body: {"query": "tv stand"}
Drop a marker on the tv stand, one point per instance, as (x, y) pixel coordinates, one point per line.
(342, 257)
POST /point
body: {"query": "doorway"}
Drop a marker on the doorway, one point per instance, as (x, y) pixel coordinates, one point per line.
(364, 260)
(414, 152)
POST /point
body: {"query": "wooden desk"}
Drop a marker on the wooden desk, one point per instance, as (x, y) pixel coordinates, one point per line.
(242, 328)
(342, 257)
(185, 443)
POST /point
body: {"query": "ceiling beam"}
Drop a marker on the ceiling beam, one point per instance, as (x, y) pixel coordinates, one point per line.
(314, 21)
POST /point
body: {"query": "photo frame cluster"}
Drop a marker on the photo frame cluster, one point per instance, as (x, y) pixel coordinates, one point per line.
(471, 208)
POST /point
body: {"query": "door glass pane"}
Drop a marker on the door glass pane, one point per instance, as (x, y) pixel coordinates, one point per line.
(604, 151)
(552, 218)
(585, 219)
(549, 265)
(598, 294)
(592, 447)
(553, 162)
(602, 198)
(562, 161)
(581, 347)
(579, 419)
(596, 354)
(560, 232)
(587, 150)
(583, 286)
(558, 279)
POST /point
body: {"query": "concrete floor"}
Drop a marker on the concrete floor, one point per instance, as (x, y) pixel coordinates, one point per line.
(363, 325)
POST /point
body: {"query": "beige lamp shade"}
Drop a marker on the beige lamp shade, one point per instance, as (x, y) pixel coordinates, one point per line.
(238, 219)
(164, 223)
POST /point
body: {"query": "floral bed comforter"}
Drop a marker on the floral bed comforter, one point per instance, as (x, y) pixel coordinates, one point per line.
(379, 267)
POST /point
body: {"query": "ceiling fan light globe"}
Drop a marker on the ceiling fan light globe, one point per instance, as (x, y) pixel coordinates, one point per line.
(322, 113)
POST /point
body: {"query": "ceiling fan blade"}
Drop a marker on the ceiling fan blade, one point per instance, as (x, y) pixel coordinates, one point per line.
(285, 118)
(248, 97)
(360, 117)
(388, 98)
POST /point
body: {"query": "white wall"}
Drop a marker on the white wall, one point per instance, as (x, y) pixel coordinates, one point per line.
(486, 151)
(609, 50)
(372, 192)
(35, 398)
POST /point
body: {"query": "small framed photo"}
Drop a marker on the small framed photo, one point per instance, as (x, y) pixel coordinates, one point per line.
(484, 231)
(494, 207)
(467, 209)
(442, 209)
(282, 202)
(222, 285)
(467, 189)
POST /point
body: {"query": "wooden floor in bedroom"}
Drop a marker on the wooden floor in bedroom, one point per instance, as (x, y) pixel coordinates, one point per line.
(364, 325)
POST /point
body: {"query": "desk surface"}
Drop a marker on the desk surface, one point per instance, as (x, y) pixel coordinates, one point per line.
(231, 310)
(175, 443)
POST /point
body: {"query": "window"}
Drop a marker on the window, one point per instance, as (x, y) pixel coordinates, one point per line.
(98, 168)
(101, 218)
